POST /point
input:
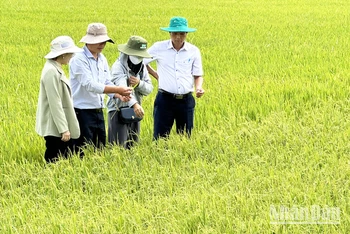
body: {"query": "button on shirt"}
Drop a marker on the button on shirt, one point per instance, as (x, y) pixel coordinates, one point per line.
(176, 68)
(88, 78)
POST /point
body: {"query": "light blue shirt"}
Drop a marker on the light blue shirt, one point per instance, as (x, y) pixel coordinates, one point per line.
(176, 68)
(88, 77)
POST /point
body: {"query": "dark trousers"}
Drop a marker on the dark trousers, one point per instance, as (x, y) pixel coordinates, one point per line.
(92, 129)
(56, 148)
(167, 109)
(120, 133)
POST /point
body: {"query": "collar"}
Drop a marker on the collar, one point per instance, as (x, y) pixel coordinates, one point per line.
(170, 45)
(56, 65)
(88, 53)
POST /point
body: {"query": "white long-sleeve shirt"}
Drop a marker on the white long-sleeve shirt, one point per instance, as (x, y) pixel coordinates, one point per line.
(88, 78)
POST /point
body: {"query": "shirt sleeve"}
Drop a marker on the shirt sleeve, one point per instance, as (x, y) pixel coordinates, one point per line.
(119, 78)
(108, 79)
(82, 73)
(197, 69)
(153, 52)
(51, 83)
(145, 87)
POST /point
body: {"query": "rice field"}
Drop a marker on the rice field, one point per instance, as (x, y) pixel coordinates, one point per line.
(271, 137)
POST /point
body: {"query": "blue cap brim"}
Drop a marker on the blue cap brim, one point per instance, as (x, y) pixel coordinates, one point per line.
(179, 29)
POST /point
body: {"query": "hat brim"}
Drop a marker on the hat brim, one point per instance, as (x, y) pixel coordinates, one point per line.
(55, 54)
(127, 50)
(90, 39)
(178, 29)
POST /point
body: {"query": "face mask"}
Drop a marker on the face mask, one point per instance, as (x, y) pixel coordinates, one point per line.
(135, 59)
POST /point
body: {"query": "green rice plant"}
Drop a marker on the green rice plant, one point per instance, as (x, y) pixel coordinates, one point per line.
(271, 130)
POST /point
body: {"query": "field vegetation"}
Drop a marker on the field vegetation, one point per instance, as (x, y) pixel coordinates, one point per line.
(272, 129)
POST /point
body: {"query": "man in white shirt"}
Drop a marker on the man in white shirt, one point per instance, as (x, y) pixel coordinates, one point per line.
(179, 73)
(90, 80)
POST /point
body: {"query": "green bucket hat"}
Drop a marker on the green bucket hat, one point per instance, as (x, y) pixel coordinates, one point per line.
(136, 46)
(178, 24)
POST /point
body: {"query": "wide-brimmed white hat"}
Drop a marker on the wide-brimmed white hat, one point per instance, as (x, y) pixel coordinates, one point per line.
(96, 33)
(62, 45)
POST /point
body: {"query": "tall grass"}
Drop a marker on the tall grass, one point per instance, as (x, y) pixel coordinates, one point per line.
(272, 128)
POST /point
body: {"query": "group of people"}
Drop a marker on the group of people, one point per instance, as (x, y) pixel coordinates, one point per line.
(70, 111)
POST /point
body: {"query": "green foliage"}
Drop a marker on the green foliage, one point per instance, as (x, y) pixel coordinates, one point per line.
(272, 128)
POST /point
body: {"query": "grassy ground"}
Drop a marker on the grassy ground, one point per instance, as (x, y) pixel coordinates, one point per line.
(272, 128)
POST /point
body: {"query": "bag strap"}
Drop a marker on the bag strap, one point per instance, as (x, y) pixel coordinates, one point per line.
(127, 78)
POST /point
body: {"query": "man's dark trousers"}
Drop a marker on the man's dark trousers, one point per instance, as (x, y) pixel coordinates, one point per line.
(169, 108)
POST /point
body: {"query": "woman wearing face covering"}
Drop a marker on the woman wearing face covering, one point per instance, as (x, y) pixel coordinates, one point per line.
(128, 70)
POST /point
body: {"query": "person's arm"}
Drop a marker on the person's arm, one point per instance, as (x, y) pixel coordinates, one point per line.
(146, 61)
(152, 71)
(197, 71)
(83, 75)
(124, 91)
(109, 82)
(51, 82)
(198, 82)
(145, 85)
(119, 76)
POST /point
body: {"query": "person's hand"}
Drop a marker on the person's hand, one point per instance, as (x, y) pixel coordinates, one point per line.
(122, 98)
(124, 91)
(134, 81)
(199, 92)
(65, 136)
(125, 98)
(138, 110)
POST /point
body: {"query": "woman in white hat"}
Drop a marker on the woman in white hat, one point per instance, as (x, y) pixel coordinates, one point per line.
(129, 70)
(55, 118)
